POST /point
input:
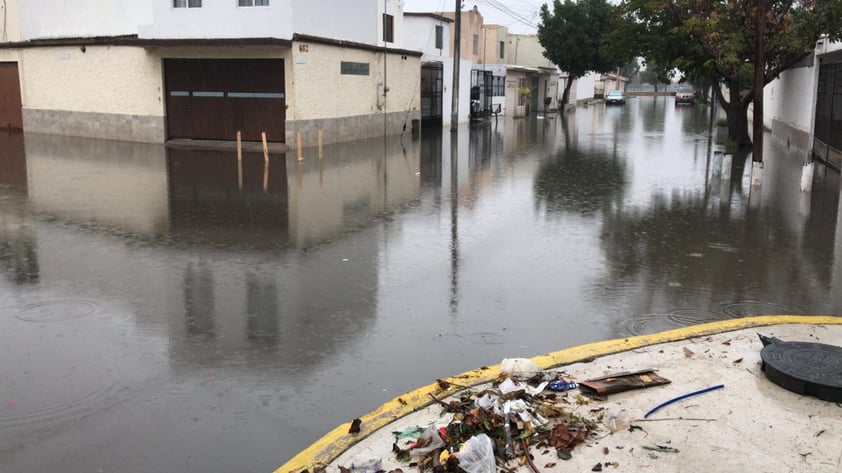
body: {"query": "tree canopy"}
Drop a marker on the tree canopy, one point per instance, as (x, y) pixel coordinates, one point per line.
(715, 39)
(574, 37)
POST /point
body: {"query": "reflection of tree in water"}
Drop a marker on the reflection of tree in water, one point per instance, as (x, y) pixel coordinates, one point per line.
(682, 246)
(579, 182)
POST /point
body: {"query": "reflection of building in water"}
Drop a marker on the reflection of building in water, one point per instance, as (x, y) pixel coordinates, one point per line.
(18, 250)
(199, 300)
(18, 255)
(262, 301)
(349, 186)
(214, 199)
(109, 183)
(221, 287)
(12, 162)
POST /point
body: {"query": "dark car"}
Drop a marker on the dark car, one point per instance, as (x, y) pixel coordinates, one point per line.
(685, 95)
(615, 97)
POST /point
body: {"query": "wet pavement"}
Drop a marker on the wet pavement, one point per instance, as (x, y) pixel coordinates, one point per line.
(168, 310)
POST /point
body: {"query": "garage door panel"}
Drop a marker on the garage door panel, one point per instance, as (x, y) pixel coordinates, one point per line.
(11, 115)
(262, 113)
(214, 98)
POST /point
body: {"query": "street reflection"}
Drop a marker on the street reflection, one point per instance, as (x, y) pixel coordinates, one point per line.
(18, 254)
(224, 298)
(217, 200)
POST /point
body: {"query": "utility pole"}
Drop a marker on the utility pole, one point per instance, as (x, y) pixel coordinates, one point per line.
(457, 45)
(759, 82)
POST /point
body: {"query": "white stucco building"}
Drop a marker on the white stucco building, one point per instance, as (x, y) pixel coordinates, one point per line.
(432, 33)
(154, 70)
(803, 109)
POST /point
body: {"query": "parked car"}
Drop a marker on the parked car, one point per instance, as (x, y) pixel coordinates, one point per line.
(685, 95)
(615, 97)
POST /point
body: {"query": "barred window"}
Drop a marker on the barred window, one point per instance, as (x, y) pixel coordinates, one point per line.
(187, 3)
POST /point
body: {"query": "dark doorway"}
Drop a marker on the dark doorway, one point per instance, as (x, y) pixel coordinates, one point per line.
(212, 99)
(10, 102)
(431, 94)
(481, 93)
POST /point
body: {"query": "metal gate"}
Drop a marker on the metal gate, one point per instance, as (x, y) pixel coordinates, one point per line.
(431, 94)
(10, 102)
(212, 99)
(828, 130)
(481, 93)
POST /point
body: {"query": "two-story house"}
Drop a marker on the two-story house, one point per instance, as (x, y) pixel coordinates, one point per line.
(155, 70)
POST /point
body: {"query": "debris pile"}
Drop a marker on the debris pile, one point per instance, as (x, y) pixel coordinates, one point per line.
(496, 427)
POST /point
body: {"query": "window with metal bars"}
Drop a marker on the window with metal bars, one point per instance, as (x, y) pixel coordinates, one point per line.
(187, 3)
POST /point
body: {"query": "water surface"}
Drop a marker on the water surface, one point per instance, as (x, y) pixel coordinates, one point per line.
(169, 310)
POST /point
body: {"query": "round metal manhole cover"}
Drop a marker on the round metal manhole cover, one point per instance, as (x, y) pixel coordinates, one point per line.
(56, 311)
(805, 368)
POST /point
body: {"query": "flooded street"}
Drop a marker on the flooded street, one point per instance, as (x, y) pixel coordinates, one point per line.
(168, 310)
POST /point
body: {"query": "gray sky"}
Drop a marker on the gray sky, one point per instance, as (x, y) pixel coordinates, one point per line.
(520, 16)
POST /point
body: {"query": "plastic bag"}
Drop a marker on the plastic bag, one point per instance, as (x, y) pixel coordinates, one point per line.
(477, 455)
(430, 434)
(372, 466)
(519, 367)
(616, 421)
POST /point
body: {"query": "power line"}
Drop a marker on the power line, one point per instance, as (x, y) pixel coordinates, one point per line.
(518, 17)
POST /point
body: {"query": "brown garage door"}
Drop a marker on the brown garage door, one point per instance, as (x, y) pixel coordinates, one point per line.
(211, 99)
(10, 104)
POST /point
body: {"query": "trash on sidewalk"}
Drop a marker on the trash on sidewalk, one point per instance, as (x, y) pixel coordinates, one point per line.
(523, 367)
(477, 455)
(625, 381)
(683, 396)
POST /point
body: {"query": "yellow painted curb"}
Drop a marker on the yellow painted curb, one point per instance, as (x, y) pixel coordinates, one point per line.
(332, 444)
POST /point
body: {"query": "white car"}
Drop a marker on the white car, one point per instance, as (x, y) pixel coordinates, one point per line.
(615, 97)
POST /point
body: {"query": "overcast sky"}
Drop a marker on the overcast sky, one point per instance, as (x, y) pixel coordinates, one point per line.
(520, 16)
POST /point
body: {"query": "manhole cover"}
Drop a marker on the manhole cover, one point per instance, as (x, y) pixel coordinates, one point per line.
(804, 367)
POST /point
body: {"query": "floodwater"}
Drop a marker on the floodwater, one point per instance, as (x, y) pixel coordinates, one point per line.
(168, 310)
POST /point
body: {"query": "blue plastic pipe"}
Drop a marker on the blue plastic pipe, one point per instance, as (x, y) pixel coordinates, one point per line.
(683, 396)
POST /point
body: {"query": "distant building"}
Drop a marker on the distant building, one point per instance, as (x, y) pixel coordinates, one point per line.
(604, 83)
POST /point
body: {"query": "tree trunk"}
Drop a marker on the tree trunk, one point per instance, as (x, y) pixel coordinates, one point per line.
(737, 111)
(566, 95)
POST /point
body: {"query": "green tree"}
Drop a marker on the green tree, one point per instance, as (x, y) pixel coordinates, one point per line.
(715, 39)
(574, 36)
(654, 74)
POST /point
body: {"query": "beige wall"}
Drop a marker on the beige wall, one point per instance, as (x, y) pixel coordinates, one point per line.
(492, 36)
(349, 107)
(116, 92)
(526, 50)
(471, 25)
(9, 21)
(318, 90)
(102, 79)
(110, 79)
